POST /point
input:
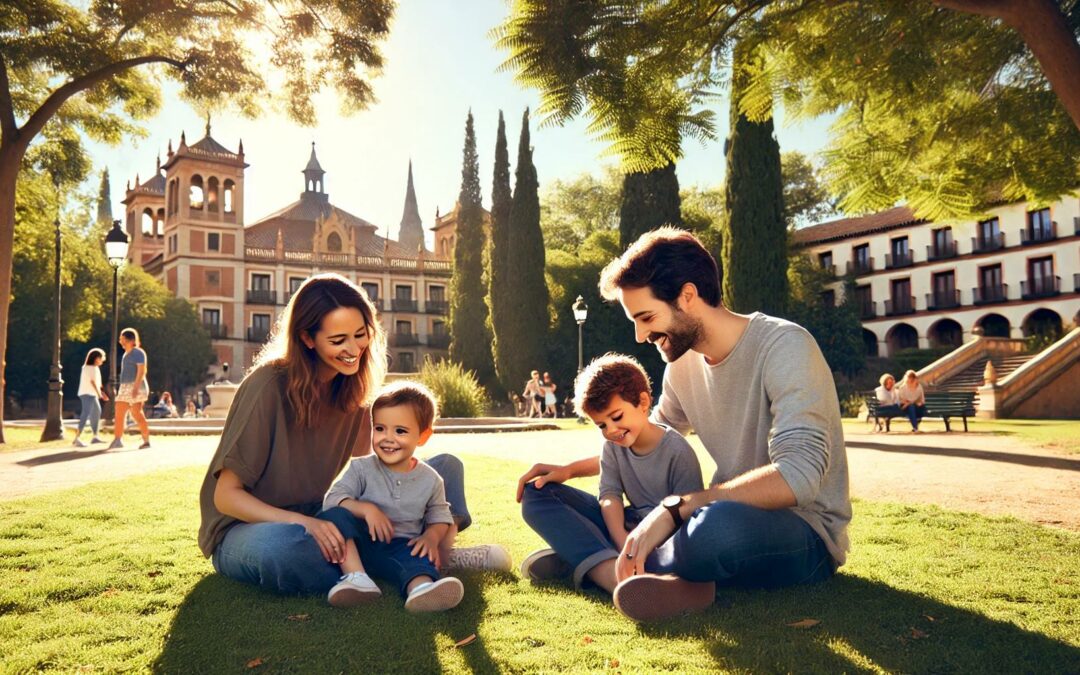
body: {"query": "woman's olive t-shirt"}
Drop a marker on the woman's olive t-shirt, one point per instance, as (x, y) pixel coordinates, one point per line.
(280, 463)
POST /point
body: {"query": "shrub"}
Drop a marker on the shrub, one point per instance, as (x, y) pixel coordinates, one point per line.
(458, 391)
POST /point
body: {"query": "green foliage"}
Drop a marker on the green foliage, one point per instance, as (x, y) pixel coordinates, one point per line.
(916, 359)
(457, 390)
(522, 346)
(755, 234)
(650, 199)
(806, 201)
(499, 273)
(572, 210)
(470, 335)
(836, 328)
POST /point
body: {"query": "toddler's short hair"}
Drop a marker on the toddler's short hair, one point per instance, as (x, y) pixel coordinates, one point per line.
(414, 394)
(607, 376)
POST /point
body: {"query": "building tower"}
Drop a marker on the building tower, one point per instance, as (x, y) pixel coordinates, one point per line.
(411, 230)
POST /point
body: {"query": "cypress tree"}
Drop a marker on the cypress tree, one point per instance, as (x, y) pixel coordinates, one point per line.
(104, 205)
(528, 319)
(470, 339)
(754, 256)
(499, 300)
(650, 199)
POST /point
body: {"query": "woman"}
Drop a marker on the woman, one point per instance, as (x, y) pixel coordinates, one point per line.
(549, 396)
(912, 399)
(888, 399)
(134, 390)
(297, 418)
(91, 395)
(165, 406)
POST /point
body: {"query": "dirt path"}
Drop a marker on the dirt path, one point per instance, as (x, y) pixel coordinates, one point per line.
(983, 473)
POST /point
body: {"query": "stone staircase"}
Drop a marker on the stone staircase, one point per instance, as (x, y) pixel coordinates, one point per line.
(971, 378)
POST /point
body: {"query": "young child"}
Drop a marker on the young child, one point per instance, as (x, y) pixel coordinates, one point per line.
(403, 504)
(640, 459)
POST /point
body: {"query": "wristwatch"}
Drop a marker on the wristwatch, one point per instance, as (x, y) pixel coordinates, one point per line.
(673, 503)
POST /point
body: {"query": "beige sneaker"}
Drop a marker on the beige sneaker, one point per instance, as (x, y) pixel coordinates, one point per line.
(649, 597)
(490, 557)
(355, 588)
(435, 596)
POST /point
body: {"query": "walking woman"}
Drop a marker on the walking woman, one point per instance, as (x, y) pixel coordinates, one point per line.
(90, 396)
(134, 390)
(298, 417)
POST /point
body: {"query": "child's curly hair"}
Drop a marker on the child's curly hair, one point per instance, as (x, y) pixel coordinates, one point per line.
(607, 376)
(414, 394)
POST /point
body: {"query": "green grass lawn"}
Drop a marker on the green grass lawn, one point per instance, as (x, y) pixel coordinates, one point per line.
(29, 438)
(1058, 435)
(108, 578)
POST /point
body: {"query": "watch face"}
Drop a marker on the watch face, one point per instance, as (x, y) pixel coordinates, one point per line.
(671, 500)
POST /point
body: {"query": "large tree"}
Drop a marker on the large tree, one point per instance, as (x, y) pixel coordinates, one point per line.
(470, 335)
(500, 301)
(571, 210)
(527, 325)
(650, 199)
(97, 66)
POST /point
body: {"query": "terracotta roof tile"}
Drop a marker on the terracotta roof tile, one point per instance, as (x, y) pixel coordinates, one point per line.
(845, 228)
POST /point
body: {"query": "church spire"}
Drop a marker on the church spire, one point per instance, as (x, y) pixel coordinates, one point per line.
(313, 174)
(411, 230)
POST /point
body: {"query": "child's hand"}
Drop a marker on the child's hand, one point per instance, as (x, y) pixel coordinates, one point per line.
(378, 525)
(426, 545)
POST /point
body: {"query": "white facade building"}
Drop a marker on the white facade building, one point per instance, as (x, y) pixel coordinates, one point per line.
(1012, 273)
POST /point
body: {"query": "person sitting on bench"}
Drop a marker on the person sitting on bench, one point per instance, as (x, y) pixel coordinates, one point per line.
(888, 401)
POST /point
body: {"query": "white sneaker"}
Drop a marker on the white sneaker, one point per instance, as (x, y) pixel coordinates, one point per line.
(78, 444)
(435, 596)
(491, 557)
(355, 588)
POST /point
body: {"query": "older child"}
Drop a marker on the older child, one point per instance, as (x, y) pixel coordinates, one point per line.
(640, 459)
(402, 505)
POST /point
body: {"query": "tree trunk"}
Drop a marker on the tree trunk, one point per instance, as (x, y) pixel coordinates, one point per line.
(10, 160)
(1046, 32)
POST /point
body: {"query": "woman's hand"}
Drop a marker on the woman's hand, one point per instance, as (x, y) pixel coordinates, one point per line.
(426, 545)
(379, 526)
(642, 541)
(542, 474)
(328, 537)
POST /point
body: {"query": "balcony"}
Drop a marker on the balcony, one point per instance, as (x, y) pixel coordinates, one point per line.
(1043, 287)
(943, 299)
(897, 260)
(403, 305)
(867, 309)
(1030, 236)
(261, 297)
(217, 330)
(994, 242)
(404, 339)
(257, 334)
(934, 252)
(904, 304)
(858, 267)
(437, 306)
(439, 340)
(829, 270)
(986, 295)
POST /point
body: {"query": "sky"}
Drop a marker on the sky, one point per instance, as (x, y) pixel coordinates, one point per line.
(440, 63)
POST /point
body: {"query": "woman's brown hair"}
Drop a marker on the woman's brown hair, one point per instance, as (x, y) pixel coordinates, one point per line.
(317, 297)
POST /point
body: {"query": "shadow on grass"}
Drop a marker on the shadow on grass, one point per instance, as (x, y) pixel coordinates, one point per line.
(1041, 461)
(864, 626)
(65, 456)
(223, 625)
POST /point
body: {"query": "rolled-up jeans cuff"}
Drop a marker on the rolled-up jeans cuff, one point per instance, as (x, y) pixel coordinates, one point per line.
(592, 561)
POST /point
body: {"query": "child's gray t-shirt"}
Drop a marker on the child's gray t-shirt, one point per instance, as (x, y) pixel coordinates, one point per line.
(670, 469)
(410, 500)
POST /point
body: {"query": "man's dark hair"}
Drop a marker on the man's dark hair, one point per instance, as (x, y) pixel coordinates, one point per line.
(606, 377)
(664, 260)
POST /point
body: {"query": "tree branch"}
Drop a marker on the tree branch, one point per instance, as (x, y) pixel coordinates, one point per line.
(993, 8)
(52, 104)
(7, 108)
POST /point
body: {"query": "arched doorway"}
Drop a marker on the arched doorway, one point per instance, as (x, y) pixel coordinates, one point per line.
(901, 336)
(1044, 323)
(870, 342)
(945, 333)
(994, 325)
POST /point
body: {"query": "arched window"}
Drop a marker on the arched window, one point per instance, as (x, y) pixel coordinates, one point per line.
(227, 195)
(172, 201)
(196, 197)
(333, 243)
(147, 224)
(160, 221)
(212, 194)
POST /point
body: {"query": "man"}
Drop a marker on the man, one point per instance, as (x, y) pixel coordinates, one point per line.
(760, 395)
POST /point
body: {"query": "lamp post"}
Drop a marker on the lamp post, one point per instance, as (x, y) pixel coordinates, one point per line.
(116, 248)
(54, 426)
(581, 311)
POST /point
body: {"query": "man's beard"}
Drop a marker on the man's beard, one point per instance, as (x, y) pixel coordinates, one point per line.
(682, 336)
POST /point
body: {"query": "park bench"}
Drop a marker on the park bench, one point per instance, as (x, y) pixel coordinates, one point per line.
(941, 404)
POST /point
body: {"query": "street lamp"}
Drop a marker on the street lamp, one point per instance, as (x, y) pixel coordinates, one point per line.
(116, 248)
(581, 311)
(54, 427)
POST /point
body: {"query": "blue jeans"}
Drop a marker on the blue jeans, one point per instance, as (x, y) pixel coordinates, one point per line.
(89, 411)
(392, 561)
(915, 413)
(727, 542)
(284, 558)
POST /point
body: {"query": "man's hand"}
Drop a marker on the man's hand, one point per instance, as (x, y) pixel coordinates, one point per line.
(427, 545)
(542, 474)
(379, 526)
(642, 541)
